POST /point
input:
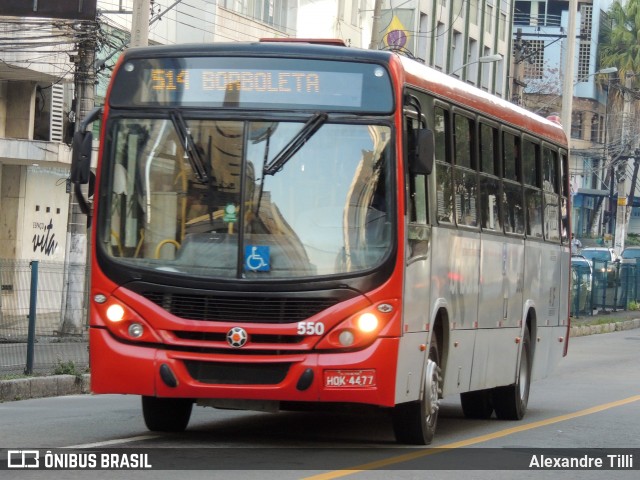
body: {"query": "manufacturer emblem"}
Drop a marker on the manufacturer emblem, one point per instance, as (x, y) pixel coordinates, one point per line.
(237, 337)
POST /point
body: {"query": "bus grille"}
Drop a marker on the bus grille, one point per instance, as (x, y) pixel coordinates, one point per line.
(238, 309)
(221, 373)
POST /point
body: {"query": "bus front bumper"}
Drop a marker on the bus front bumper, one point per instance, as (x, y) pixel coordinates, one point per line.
(365, 376)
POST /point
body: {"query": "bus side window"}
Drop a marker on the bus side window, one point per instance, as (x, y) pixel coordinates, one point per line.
(417, 182)
(551, 200)
(489, 180)
(512, 188)
(444, 180)
(564, 192)
(532, 191)
(466, 182)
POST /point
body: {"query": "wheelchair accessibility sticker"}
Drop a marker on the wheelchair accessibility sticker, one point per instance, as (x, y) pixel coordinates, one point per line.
(256, 258)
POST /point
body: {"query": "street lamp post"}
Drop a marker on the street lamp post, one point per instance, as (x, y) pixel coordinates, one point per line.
(496, 57)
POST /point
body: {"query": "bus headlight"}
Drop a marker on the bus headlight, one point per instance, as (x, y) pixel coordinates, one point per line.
(362, 329)
(367, 322)
(115, 312)
(122, 321)
(346, 338)
(136, 330)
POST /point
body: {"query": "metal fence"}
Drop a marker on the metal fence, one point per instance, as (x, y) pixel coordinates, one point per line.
(607, 286)
(42, 332)
(39, 330)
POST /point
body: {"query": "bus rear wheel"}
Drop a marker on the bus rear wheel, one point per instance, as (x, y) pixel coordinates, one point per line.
(414, 423)
(510, 402)
(166, 414)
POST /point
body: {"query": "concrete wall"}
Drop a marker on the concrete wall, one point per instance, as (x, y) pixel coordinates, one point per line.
(20, 109)
(10, 200)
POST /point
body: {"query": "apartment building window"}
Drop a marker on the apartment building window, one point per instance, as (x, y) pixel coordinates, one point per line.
(473, 12)
(534, 65)
(486, 70)
(440, 41)
(584, 49)
(272, 12)
(456, 52)
(472, 56)
(595, 128)
(355, 7)
(488, 18)
(576, 125)
(458, 9)
(502, 27)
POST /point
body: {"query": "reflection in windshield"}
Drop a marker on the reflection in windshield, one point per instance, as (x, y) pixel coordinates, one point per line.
(323, 211)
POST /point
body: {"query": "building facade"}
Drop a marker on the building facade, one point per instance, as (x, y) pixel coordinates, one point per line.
(39, 68)
(598, 121)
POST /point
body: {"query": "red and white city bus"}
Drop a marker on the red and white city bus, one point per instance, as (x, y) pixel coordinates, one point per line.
(287, 224)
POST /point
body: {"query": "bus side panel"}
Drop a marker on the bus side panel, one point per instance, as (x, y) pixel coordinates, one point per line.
(542, 273)
(495, 354)
(454, 282)
(495, 358)
(549, 350)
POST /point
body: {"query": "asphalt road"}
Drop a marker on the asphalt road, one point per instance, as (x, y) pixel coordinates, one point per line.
(591, 402)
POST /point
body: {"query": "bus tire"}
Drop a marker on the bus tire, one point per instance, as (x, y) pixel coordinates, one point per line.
(510, 402)
(477, 404)
(166, 414)
(415, 423)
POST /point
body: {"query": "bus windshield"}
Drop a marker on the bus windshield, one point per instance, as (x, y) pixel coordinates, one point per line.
(248, 199)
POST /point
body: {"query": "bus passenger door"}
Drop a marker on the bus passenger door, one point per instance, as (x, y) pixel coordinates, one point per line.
(416, 295)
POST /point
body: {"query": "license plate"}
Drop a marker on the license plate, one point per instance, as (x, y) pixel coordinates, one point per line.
(349, 378)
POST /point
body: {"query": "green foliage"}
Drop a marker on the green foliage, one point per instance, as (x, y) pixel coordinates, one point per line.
(632, 240)
(66, 368)
(633, 305)
(619, 42)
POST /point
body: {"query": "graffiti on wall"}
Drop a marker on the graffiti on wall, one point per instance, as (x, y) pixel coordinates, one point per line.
(45, 240)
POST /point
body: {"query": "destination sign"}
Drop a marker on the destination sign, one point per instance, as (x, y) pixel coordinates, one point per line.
(241, 82)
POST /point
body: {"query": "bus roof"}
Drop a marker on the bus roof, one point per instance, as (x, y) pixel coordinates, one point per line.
(416, 73)
(468, 96)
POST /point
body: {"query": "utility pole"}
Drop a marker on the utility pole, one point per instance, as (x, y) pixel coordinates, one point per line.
(621, 214)
(140, 23)
(567, 98)
(375, 28)
(74, 305)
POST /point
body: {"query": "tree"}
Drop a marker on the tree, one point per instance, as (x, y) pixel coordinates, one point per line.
(620, 48)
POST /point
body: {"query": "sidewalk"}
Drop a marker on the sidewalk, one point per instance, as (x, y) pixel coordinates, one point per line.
(58, 385)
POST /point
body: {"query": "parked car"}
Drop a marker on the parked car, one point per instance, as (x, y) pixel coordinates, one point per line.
(604, 262)
(630, 254)
(584, 269)
(580, 285)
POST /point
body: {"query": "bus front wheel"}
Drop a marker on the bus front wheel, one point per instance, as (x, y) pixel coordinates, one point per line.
(166, 414)
(510, 402)
(415, 422)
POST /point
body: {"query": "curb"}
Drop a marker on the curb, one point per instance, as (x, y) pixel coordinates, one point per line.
(582, 330)
(40, 387)
(59, 385)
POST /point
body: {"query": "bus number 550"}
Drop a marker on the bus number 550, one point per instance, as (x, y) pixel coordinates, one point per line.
(310, 328)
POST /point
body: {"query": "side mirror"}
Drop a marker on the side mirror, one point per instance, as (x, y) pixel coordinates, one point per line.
(81, 157)
(81, 160)
(421, 159)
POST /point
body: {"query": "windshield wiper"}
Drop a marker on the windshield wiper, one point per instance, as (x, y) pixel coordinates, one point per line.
(190, 148)
(295, 144)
